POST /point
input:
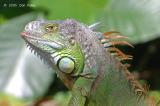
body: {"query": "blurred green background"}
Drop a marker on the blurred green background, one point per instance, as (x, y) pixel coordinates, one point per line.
(24, 79)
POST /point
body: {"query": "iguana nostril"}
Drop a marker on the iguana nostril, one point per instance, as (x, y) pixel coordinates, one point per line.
(24, 34)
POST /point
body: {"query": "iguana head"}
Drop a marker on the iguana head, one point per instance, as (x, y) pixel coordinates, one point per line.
(50, 40)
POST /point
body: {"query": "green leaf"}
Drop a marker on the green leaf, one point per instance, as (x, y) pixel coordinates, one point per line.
(21, 73)
(137, 19)
(2, 19)
(9, 100)
(82, 10)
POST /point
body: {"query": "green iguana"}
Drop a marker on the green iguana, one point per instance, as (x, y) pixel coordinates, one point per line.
(87, 62)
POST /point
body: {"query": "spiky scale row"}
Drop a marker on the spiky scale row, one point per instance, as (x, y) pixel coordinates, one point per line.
(35, 53)
(110, 40)
(113, 38)
(120, 54)
(139, 90)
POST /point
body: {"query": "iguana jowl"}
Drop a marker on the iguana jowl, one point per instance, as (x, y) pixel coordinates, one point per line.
(86, 61)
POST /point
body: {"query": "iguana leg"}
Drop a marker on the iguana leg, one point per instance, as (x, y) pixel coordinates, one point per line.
(77, 99)
(80, 91)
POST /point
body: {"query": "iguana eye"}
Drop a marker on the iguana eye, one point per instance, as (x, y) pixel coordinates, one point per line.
(52, 28)
(66, 64)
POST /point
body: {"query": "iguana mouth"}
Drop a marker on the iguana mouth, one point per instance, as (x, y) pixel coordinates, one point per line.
(37, 52)
(53, 44)
(27, 35)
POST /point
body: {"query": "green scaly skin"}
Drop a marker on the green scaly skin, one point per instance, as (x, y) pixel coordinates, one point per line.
(80, 60)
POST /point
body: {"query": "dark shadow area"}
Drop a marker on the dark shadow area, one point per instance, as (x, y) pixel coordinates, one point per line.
(146, 62)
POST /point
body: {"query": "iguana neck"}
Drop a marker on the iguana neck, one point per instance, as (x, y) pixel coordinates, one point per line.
(97, 59)
(96, 56)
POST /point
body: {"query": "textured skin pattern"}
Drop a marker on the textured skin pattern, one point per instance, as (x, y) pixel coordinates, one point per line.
(99, 79)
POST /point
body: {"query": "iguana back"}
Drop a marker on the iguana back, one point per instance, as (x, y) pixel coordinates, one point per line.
(114, 84)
